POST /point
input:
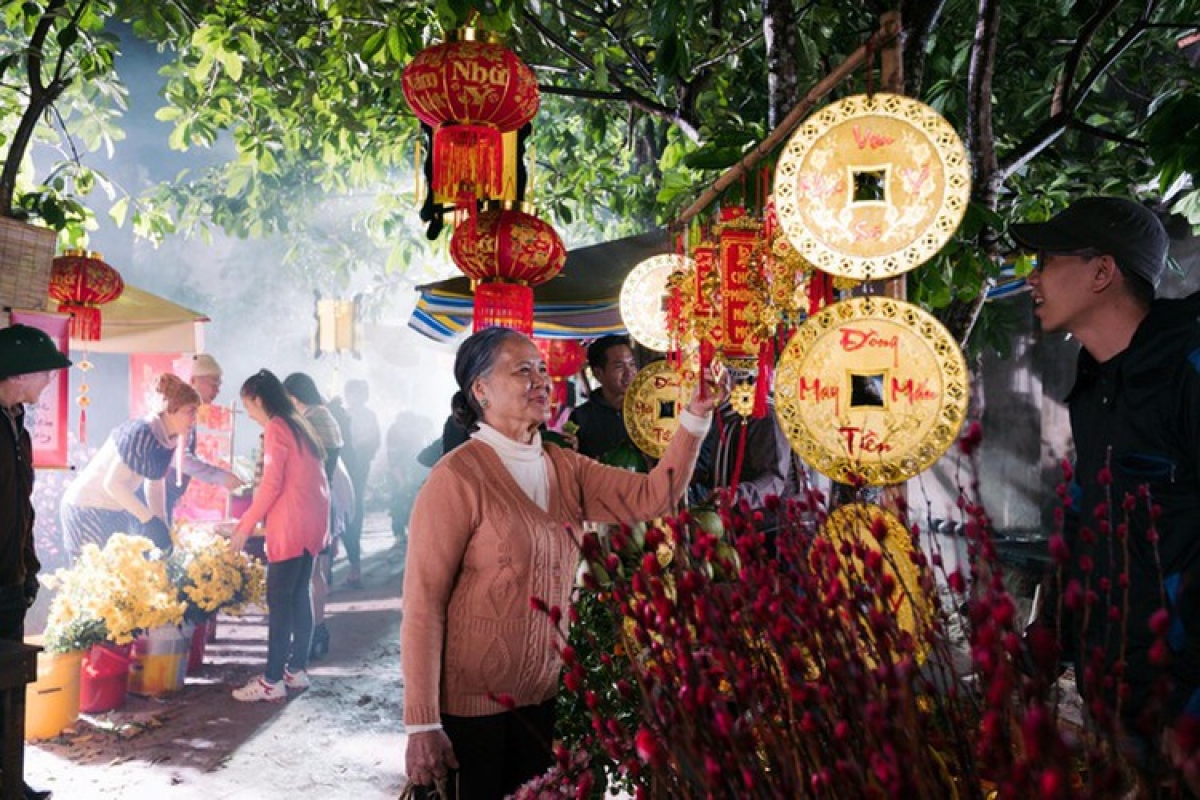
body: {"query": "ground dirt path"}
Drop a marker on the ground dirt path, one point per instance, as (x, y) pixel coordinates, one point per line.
(342, 738)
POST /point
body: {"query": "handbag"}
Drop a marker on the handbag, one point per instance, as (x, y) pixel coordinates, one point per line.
(439, 791)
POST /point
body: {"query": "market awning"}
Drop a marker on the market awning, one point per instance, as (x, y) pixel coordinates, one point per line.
(141, 322)
(582, 302)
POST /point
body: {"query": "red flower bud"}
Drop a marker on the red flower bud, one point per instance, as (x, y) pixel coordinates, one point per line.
(1059, 550)
(648, 748)
(1160, 621)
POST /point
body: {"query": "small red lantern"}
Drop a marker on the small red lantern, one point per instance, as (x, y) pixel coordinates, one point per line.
(80, 281)
(507, 251)
(470, 91)
(564, 357)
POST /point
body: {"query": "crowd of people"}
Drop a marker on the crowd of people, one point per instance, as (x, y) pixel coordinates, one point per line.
(489, 526)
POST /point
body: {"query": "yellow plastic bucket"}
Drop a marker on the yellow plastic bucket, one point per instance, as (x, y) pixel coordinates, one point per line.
(160, 660)
(52, 701)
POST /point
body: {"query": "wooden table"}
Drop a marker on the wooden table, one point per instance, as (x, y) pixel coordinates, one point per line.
(18, 666)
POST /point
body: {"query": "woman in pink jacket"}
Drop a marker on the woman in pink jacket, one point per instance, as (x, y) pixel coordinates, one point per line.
(292, 501)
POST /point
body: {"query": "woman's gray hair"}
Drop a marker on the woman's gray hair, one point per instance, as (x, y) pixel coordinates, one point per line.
(475, 359)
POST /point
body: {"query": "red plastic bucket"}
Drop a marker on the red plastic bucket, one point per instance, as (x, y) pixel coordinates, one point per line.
(104, 678)
(196, 649)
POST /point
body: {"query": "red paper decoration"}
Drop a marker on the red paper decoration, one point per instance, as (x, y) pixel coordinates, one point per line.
(80, 281)
(738, 238)
(470, 91)
(507, 251)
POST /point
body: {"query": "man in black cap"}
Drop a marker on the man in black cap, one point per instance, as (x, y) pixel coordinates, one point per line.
(28, 359)
(1133, 529)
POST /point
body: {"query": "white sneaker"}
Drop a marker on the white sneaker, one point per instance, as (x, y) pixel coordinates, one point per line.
(296, 680)
(260, 689)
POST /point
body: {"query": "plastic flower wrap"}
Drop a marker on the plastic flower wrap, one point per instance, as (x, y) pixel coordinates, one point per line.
(210, 577)
(110, 594)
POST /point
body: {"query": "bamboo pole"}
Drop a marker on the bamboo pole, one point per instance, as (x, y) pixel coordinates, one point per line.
(888, 32)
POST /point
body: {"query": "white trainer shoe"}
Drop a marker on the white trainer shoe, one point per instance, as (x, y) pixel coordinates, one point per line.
(296, 680)
(261, 689)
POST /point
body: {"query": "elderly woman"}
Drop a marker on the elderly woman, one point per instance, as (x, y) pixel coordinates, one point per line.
(107, 497)
(292, 502)
(490, 529)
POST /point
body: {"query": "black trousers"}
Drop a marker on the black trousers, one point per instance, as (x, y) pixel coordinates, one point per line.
(497, 754)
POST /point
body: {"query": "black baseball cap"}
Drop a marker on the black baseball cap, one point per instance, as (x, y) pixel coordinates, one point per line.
(1124, 229)
(25, 349)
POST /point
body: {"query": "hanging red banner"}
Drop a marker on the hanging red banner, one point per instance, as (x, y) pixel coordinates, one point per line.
(47, 421)
(739, 235)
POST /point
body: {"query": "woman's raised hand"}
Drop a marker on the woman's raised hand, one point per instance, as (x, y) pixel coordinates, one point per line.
(711, 390)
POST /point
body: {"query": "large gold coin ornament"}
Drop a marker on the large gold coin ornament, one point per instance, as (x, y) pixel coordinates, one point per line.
(854, 524)
(871, 389)
(871, 186)
(644, 296)
(656, 397)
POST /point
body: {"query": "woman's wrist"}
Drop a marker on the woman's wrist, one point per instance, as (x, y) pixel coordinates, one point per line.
(428, 728)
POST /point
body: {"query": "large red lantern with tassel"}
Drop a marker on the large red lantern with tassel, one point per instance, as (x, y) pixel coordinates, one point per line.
(507, 251)
(80, 281)
(470, 90)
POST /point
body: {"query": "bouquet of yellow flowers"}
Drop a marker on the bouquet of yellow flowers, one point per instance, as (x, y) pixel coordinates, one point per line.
(210, 577)
(110, 594)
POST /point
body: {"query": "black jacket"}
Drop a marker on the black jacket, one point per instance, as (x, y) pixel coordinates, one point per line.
(601, 426)
(18, 560)
(1137, 418)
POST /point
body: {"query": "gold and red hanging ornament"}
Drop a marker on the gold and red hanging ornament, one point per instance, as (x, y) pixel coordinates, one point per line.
(470, 90)
(650, 301)
(505, 250)
(872, 186)
(81, 282)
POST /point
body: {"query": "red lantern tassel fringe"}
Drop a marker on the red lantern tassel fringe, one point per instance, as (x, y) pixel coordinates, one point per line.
(505, 305)
(766, 374)
(85, 321)
(820, 291)
(468, 158)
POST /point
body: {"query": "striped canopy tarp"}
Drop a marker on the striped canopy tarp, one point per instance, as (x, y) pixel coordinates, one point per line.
(581, 303)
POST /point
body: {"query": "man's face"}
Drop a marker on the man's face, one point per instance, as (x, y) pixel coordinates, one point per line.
(207, 386)
(618, 372)
(1061, 288)
(31, 385)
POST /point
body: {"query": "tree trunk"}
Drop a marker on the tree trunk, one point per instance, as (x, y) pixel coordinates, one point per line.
(780, 38)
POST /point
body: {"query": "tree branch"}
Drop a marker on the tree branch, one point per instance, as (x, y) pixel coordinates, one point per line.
(1054, 127)
(1101, 133)
(981, 139)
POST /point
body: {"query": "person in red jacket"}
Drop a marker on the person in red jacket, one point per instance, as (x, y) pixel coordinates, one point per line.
(292, 502)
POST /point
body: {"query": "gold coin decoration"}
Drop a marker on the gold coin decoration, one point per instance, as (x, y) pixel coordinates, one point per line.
(871, 389)
(872, 185)
(658, 394)
(855, 523)
(644, 296)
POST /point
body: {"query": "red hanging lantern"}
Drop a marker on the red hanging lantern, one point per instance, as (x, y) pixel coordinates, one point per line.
(564, 358)
(506, 251)
(470, 90)
(80, 281)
